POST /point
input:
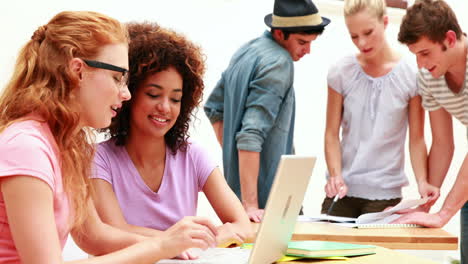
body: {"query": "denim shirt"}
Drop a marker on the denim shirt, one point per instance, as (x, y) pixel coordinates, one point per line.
(255, 100)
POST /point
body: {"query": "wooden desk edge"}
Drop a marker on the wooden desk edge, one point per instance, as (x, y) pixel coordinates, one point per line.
(388, 242)
(444, 240)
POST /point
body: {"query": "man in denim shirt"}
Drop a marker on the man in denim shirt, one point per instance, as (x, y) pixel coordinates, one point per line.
(252, 108)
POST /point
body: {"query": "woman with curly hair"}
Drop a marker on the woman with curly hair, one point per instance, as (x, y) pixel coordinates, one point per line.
(71, 75)
(148, 175)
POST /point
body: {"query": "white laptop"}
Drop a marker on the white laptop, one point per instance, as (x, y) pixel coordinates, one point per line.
(281, 211)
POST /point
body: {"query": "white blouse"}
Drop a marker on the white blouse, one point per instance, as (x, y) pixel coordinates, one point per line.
(374, 125)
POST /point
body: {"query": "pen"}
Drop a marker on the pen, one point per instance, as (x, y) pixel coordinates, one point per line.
(337, 196)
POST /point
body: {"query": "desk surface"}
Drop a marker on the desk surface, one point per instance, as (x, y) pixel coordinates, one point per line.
(394, 238)
(382, 256)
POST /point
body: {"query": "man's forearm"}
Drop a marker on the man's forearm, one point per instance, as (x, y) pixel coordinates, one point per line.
(218, 129)
(249, 166)
(442, 148)
(457, 195)
(439, 161)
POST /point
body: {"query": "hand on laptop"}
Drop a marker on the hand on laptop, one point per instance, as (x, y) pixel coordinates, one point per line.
(190, 232)
(228, 236)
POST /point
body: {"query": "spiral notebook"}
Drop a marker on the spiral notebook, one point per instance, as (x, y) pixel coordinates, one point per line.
(378, 223)
(371, 220)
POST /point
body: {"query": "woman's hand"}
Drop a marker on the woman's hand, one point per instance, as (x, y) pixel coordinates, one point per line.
(334, 186)
(227, 235)
(190, 232)
(188, 254)
(427, 190)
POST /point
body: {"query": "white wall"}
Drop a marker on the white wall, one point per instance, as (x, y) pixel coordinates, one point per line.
(220, 27)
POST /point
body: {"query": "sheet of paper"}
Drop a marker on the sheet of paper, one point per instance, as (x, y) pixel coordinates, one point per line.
(326, 218)
(214, 256)
(380, 218)
(404, 204)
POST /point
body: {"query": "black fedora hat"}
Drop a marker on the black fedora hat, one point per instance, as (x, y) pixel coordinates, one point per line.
(296, 15)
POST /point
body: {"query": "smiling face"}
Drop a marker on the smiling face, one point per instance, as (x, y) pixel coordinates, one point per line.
(298, 45)
(100, 92)
(367, 32)
(156, 104)
(431, 55)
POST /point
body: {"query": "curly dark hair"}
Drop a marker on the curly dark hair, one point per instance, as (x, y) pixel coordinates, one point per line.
(154, 49)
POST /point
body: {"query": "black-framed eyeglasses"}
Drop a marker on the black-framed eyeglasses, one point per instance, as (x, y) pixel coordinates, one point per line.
(106, 66)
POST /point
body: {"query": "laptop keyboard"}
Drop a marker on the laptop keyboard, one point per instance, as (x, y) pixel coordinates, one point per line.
(215, 256)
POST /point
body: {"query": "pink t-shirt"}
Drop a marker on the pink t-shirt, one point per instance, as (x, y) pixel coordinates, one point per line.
(28, 148)
(185, 174)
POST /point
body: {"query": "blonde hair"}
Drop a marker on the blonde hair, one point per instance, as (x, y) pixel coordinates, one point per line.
(42, 83)
(376, 7)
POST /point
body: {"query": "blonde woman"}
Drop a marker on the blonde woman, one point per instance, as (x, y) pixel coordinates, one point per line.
(71, 75)
(373, 98)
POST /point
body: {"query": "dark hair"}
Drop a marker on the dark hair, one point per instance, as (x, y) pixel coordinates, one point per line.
(428, 18)
(287, 32)
(153, 49)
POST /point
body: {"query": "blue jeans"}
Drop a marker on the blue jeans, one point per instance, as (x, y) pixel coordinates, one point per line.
(464, 234)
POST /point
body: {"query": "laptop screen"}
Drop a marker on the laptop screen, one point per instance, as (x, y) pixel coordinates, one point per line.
(282, 208)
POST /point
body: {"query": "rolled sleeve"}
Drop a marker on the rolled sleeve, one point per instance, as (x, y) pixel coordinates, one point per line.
(267, 91)
(214, 106)
(249, 141)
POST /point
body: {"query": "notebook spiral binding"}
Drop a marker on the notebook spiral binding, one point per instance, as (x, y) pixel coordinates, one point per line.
(387, 225)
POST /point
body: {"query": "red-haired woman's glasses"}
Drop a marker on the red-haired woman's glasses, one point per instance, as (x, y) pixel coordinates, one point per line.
(106, 66)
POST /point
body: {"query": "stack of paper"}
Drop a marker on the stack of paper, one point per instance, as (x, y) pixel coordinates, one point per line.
(320, 249)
